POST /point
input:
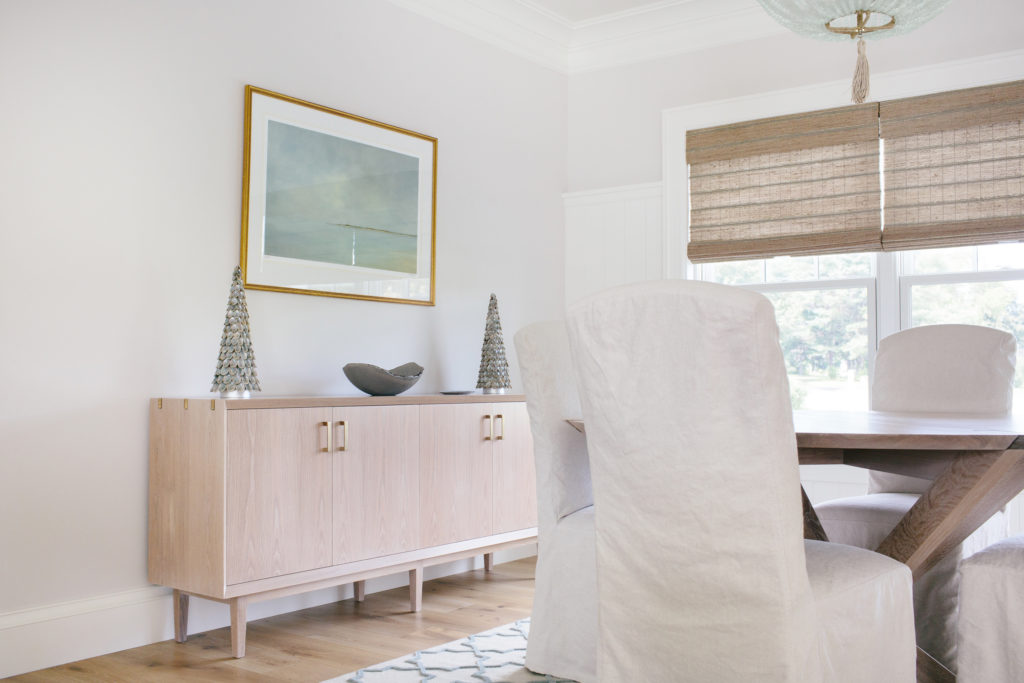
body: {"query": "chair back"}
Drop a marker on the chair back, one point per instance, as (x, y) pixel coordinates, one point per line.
(942, 369)
(701, 565)
(559, 449)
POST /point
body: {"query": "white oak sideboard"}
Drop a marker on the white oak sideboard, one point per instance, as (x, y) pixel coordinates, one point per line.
(251, 499)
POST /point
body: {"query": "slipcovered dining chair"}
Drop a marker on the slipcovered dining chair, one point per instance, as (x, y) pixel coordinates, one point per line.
(702, 570)
(990, 626)
(563, 625)
(933, 369)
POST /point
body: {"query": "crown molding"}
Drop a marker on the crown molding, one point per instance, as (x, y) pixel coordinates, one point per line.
(659, 29)
(664, 30)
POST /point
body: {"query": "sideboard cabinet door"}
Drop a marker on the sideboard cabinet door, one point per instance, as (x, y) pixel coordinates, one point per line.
(455, 472)
(376, 481)
(279, 495)
(515, 478)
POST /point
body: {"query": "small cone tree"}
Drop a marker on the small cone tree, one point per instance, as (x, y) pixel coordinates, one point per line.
(236, 365)
(493, 376)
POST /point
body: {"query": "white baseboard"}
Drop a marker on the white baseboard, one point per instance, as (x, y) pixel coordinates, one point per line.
(47, 636)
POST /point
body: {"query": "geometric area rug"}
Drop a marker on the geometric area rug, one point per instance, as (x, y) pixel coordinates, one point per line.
(494, 656)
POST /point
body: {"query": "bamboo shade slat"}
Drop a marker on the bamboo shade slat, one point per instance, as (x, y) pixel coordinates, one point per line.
(821, 199)
(821, 128)
(954, 168)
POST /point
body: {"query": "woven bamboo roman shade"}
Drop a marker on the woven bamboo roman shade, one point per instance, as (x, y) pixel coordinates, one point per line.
(802, 184)
(954, 168)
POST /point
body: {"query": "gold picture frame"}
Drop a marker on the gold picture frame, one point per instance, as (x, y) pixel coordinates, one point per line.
(335, 204)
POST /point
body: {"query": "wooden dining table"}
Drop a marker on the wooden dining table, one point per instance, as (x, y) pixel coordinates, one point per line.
(975, 462)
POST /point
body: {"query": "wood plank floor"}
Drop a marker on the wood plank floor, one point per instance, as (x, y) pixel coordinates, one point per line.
(321, 642)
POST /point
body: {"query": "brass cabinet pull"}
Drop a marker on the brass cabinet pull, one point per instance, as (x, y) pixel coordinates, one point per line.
(490, 422)
(344, 434)
(328, 426)
(501, 435)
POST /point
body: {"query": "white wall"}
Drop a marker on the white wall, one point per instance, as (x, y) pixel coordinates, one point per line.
(121, 148)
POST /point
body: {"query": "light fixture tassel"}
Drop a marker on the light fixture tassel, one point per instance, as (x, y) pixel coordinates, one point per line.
(861, 75)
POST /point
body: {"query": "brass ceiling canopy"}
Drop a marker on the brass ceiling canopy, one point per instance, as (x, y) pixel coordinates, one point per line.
(861, 27)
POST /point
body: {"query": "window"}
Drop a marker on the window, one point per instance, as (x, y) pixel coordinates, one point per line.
(826, 310)
(832, 310)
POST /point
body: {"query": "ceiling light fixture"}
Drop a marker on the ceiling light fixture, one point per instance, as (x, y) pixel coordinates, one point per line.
(857, 19)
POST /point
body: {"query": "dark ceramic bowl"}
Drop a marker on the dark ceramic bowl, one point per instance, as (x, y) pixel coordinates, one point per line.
(377, 381)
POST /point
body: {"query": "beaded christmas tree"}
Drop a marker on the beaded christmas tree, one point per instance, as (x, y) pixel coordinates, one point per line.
(493, 376)
(236, 365)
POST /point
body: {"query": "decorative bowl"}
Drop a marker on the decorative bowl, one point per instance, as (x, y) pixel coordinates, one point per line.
(377, 381)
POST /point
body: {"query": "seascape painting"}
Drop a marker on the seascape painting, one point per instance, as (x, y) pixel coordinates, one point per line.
(335, 204)
(333, 200)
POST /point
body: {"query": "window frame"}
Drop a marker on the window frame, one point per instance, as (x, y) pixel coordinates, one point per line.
(907, 282)
(868, 283)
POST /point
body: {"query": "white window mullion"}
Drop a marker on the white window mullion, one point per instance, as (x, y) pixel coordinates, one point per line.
(887, 297)
(874, 307)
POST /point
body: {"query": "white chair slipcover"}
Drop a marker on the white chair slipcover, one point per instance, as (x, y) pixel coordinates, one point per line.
(563, 626)
(990, 628)
(934, 369)
(703, 573)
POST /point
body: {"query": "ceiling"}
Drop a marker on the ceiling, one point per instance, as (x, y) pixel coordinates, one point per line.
(573, 36)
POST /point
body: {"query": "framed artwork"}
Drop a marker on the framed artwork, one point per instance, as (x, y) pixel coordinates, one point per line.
(335, 204)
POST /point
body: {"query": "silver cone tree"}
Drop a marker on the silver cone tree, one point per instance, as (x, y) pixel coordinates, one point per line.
(493, 376)
(236, 365)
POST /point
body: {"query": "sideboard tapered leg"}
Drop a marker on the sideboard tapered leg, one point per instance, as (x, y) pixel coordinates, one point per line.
(238, 626)
(180, 600)
(415, 589)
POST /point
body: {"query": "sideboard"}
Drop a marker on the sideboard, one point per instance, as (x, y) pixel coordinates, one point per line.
(251, 499)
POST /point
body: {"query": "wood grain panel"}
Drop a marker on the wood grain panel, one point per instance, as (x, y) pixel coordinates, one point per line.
(820, 456)
(921, 464)
(373, 567)
(514, 475)
(926, 431)
(186, 494)
(349, 401)
(455, 473)
(967, 493)
(376, 482)
(278, 492)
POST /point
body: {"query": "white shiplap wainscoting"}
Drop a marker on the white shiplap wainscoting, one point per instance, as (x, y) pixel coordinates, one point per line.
(613, 236)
